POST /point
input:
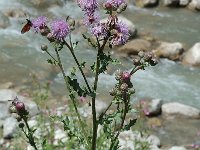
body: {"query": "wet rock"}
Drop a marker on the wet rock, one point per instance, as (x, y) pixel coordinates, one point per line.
(192, 56)
(184, 3)
(194, 5)
(148, 3)
(131, 26)
(9, 127)
(151, 107)
(181, 110)
(169, 50)
(134, 46)
(4, 21)
(171, 3)
(177, 148)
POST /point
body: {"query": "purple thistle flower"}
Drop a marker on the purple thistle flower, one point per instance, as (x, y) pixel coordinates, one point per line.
(99, 30)
(122, 34)
(60, 29)
(88, 6)
(114, 3)
(39, 23)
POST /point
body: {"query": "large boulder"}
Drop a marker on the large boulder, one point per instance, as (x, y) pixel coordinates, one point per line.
(9, 127)
(171, 3)
(134, 46)
(192, 56)
(181, 110)
(169, 50)
(194, 5)
(147, 3)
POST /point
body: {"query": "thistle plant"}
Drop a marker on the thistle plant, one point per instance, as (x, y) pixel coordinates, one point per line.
(100, 35)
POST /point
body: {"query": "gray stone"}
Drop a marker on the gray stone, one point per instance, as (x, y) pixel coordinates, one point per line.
(177, 148)
(184, 2)
(133, 47)
(192, 56)
(194, 5)
(149, 3)
(153, 140)
(171, 3)
(181, 110)
(4, 21)
(4, 112)
(155, 107)
(169, 50)
(9, 127)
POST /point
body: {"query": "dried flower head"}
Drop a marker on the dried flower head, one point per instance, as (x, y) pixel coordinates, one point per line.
(39, 23)
(60, 29)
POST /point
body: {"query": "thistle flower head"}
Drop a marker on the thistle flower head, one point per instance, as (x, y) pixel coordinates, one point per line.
(126, 76)
(99, 30)
(88, 6)
(122, 34)
(114, 3)
(39, 23)
(59, 29)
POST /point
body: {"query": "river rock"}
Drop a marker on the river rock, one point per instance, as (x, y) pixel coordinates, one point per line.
(44, 3)
(12, 12)
(194, 5)
(4, 21)
(9, 127)
(148, 3)
(178, 109)
(131, 26)
(169, 50)
(177, 148)
(192, 56)
(171, 3)
(8, 94)
(184, 3)
(135, 46)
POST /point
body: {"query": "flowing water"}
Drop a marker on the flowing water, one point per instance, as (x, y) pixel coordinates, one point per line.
(20, 55)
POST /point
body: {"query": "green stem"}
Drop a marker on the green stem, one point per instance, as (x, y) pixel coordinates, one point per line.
(72, 98)
(123, 120)
(70, 47)
(30, 133)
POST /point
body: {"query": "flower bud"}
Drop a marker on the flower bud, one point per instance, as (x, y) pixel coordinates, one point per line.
(20, 107)
(153, 62)
(118, 75)
(131, 91)
(12, 109)
(136, 61)
(44, 31)
(50, 37)
(126, 76)
(21, 125)
(107, 6)
(44, 47)
(141, 54)
(124, 87)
